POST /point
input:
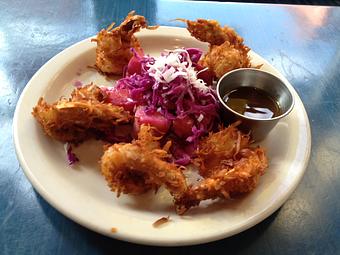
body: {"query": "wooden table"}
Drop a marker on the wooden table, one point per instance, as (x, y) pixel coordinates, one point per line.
(302, 42)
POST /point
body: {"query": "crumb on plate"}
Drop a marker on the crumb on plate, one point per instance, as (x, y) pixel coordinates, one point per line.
(161, 221)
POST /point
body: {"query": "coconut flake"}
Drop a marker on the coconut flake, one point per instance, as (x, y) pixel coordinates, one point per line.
(200, 117)
(168, 67)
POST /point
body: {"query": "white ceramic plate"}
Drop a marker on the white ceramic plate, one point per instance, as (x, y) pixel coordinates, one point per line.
(81, 193)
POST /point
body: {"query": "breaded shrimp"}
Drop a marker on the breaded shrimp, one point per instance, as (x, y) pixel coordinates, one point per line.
(82, 116)
(225, 58)
(211, 32)
(114, 44)
(229, 167)
(239, 178)
(220, 148)
(227, 50)
(134, 168)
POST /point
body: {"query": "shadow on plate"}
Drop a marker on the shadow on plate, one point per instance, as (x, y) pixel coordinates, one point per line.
(89, 154)
(77, 239)
(161, 203)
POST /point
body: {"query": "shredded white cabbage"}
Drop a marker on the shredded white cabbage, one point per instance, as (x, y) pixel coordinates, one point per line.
(168, 67)
(200, 117)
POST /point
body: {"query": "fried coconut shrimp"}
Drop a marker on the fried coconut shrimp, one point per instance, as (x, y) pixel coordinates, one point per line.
(229, 167)
(226, 52)
(114, 44)
(82, 116)
(220, 149)
(134, 168)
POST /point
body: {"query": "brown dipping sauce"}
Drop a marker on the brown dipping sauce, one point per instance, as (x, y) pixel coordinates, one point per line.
(252, 102)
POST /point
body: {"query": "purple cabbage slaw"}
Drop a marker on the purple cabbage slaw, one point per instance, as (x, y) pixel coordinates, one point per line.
(71, 156)
(173, 100)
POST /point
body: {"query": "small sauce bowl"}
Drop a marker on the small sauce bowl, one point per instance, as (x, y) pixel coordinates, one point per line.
(273, 86)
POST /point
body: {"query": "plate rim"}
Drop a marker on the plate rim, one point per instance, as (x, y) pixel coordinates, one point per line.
(263, 214)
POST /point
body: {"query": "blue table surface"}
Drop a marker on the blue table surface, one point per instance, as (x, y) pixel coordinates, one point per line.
(302, 42)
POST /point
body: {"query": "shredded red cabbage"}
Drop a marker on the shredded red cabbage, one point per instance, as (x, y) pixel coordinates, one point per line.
(71, 157)
(77, 84)
(167, 93)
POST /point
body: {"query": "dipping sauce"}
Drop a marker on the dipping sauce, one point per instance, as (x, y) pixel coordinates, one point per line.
(252, 102)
